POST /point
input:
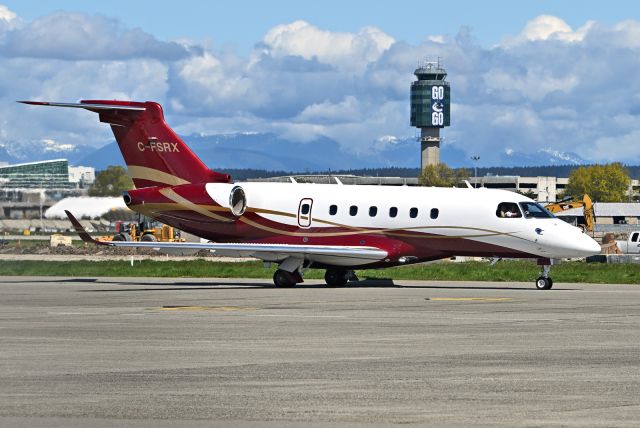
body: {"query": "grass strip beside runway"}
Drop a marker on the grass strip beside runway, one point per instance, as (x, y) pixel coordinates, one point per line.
(506, 270)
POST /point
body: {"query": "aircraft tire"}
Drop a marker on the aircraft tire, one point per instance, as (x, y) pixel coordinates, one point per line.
(543, 283)
(336, 277)
(284, 279)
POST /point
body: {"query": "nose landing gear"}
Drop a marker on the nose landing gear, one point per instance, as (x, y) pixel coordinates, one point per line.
(544, 282)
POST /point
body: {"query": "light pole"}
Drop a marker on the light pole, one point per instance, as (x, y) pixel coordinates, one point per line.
(475, 160)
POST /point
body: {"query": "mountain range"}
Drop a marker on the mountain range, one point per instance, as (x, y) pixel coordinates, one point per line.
(267, 151)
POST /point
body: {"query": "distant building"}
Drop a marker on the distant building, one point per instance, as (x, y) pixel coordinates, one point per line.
(53, 174)
(542, 189)
(27, 189)
(84, 176)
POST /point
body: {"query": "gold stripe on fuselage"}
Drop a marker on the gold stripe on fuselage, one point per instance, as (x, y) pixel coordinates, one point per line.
(151, 174)
(186, 204)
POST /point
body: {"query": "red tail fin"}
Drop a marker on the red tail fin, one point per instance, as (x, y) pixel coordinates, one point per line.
(154, 154)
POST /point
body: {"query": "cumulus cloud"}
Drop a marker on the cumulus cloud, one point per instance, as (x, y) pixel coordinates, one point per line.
(6, 14)
(351, 51)
(547, 87)
(548, 27)
(77, 36)
(8, 20)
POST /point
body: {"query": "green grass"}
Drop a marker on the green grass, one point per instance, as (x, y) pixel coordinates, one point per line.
(471, 271)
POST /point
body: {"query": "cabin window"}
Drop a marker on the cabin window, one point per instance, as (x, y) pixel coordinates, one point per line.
(304, 209)
(533, 210)
(434, 213)
(373, 211)
(353, 210)
(634, 237)
(413, 212)
(508, 210)
(393, 211)
(333, 209)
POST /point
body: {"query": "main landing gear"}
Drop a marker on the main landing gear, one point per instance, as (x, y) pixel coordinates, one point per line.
(284, 279)
(544, 282)
(335, 277)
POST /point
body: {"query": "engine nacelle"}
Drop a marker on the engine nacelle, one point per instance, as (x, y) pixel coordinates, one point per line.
(230, 196)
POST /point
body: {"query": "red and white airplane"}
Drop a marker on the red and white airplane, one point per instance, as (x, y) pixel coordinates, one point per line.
(327, 226)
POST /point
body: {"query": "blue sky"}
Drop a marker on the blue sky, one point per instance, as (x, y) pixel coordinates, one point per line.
(242, 23)
(525, 75)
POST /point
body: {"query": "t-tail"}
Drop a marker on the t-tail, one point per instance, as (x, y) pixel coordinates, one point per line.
(154, 154)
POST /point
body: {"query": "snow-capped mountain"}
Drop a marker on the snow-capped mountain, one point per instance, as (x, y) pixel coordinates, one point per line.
(544, 156)
(31, 151)
(271, 152)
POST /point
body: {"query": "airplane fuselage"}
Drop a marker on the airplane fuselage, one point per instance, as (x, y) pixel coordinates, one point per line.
(412, 224)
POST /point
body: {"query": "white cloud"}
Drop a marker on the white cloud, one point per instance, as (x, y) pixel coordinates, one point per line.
(76, 36)
(347, 110)
(350, 51)
(6, 14)
(548, 27)
(535, 84)
(625, 148)
(436, 38)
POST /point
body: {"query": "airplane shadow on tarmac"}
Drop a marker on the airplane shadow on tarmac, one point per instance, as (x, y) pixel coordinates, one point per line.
(230, 285)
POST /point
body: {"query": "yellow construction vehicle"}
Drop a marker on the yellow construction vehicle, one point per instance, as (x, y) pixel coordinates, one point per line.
(585, 203)
(146, 231)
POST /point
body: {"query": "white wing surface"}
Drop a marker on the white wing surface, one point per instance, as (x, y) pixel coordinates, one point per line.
(329, 254)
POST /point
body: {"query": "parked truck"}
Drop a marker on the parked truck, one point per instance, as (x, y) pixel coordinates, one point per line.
(631, 245)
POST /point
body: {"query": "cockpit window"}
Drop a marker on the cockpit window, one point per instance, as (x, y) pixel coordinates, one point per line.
(533, 210)
(508, 210)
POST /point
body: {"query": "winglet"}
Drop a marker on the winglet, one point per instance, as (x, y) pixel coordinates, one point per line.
(81, 231)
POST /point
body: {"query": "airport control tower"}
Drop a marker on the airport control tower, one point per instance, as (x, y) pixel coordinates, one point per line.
(430, 108)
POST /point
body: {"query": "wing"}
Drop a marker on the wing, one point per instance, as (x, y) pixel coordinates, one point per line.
(327, 254)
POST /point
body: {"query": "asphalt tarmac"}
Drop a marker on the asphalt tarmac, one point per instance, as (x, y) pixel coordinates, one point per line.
(206, 352)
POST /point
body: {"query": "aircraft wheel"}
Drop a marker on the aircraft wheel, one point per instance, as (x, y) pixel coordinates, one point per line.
(284, 279)
(149, 238)
(336, 277)
(543, 283)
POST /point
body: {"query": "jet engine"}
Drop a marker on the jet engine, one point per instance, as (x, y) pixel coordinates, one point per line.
(229, 196)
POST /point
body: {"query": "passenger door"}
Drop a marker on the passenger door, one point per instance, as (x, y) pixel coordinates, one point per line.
(304, 212)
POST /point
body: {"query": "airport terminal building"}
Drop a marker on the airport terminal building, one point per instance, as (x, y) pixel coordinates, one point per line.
(27, 188)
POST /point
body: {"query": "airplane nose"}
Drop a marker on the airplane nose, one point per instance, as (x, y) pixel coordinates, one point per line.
(591, 246)
(572, 242)
(586, 246)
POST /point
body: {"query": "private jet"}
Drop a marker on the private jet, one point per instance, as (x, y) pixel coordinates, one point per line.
(334, 227)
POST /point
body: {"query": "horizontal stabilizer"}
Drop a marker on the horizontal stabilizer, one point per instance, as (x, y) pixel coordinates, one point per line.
(87, 106)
